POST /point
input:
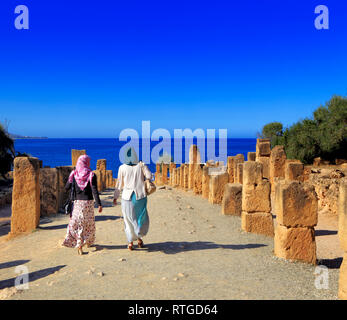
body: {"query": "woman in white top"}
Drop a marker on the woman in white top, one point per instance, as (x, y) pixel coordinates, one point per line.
(131, 177)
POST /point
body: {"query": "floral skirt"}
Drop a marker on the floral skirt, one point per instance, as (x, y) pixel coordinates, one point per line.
(81, 228)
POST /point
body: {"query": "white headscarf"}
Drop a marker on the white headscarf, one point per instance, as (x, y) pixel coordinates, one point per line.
(130, 157)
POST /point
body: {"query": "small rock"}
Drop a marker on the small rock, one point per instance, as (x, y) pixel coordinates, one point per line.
(122, 259)
(100, 274)
(181, 274)
(189, 207)
(161, 188)
(212, 226)
(163, 278)
(175, 279)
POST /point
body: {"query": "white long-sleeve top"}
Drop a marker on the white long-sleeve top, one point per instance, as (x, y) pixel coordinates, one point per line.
(131, 179)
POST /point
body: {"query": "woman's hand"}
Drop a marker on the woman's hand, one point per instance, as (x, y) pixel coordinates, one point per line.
(100, 209)
(115, 202)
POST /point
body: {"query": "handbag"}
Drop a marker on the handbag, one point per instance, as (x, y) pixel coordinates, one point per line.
(149, 185)
(68, 206)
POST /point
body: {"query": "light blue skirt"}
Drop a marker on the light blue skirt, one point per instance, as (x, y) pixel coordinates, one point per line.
(135, 215)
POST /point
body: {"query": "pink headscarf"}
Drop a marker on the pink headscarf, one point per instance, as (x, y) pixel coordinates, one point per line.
(82, 173)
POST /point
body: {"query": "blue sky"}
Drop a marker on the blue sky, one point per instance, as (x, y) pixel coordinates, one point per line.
(91, 69)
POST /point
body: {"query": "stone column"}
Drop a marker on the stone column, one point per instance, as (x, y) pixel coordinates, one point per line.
(109, 179)
(164, 171)
(205, 183)
(63, 176)
(25, 195)
(217, 185)
(297, 214)
(256, 214)
(239, 172)
(230, 168)
(232, 199)
(294, 170)
(172, 173)
(251, 156)
(185, 176)
(277, 164)
(198, 178)
(342, 209)
(101, 166)
(49, 191)
(194, 158)
(75, 154)
(263, 151)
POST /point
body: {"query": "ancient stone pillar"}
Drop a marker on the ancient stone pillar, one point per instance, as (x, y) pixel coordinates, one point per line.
(75, 154)
(25, 195)
(342, 210)
(239, 172)
(198, 178)
(99, 177)
(277, 163)
(185, 176)
(216, 188)
(251, 156)
(294, 170)
(101, 166)
(172, 173)
(49, 191)
(109, 179)
(297, 214)
(256, 214)
(63, 176)
(263, 151)
(205, 182)
(232, 199)
(237, 160)
(164, 171)
(230, 168)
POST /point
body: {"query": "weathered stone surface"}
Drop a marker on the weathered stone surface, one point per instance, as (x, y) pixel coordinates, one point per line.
(63, 175)
(343, 279)
(185, 176)
(198, 179)
(205, 188)
(101, 166)
(237, 160)
(251, 156)
(49, 193)
(294, 170)
(259, 222)
(182, 176)
(295, 244)
(252, 173)
(263, 148)
(297, 205)
(216, 189)
(100, 185)
(230, 168)
(75, 154)
(265, 161)
(25, 195)
(194, 154)
(342, 209)
(191, 178)
(239, 173)
(109, 179)
(256, 198)
(164, 172)
(232, 199)
(277, 163)
(172, 173)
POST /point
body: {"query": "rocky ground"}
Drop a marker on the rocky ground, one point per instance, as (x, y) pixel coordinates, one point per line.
(192, 252)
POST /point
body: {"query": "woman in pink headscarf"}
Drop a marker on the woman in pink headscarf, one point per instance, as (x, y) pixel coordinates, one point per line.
(81, 228)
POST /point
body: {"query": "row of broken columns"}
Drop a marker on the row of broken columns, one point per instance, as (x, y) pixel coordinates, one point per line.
(266, 185)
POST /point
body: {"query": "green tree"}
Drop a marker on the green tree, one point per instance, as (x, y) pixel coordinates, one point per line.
(274, 132)
(7, 152)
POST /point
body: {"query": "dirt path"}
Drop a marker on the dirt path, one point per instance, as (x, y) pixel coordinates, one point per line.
(192, 252)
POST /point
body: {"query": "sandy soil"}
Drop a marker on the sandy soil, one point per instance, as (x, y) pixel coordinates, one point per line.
(192, 252)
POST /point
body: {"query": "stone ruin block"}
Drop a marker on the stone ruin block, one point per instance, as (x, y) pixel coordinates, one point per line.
(252, 173)
(263, 148)
(194, 154)
(256, 198)
(297, 205)
(49, 191)
(251, 156)
(265, 161)
(191, 177)
(230, 168)
(99, 177)
(198, 179)
(25, 195)
(63, 176)
(237, 160)
(164, 171)
(295, 244)
(172, 173)
(277, 163)
(109, 179)
(258, 222)
(232, 199)
(216, 188)
(343, 279)
(294, 170)
(185, 176)
(239, 173)
(182, 176)
(205, 183)
(342, 211)
(75, 154)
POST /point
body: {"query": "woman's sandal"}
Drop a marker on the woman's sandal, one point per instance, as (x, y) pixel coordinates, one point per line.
(140, 243)
(80, 251)
(131, 246)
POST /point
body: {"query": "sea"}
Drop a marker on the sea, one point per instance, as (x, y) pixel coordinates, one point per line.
(57, 152)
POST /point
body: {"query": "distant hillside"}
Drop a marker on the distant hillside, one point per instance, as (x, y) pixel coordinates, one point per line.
(17, 136)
